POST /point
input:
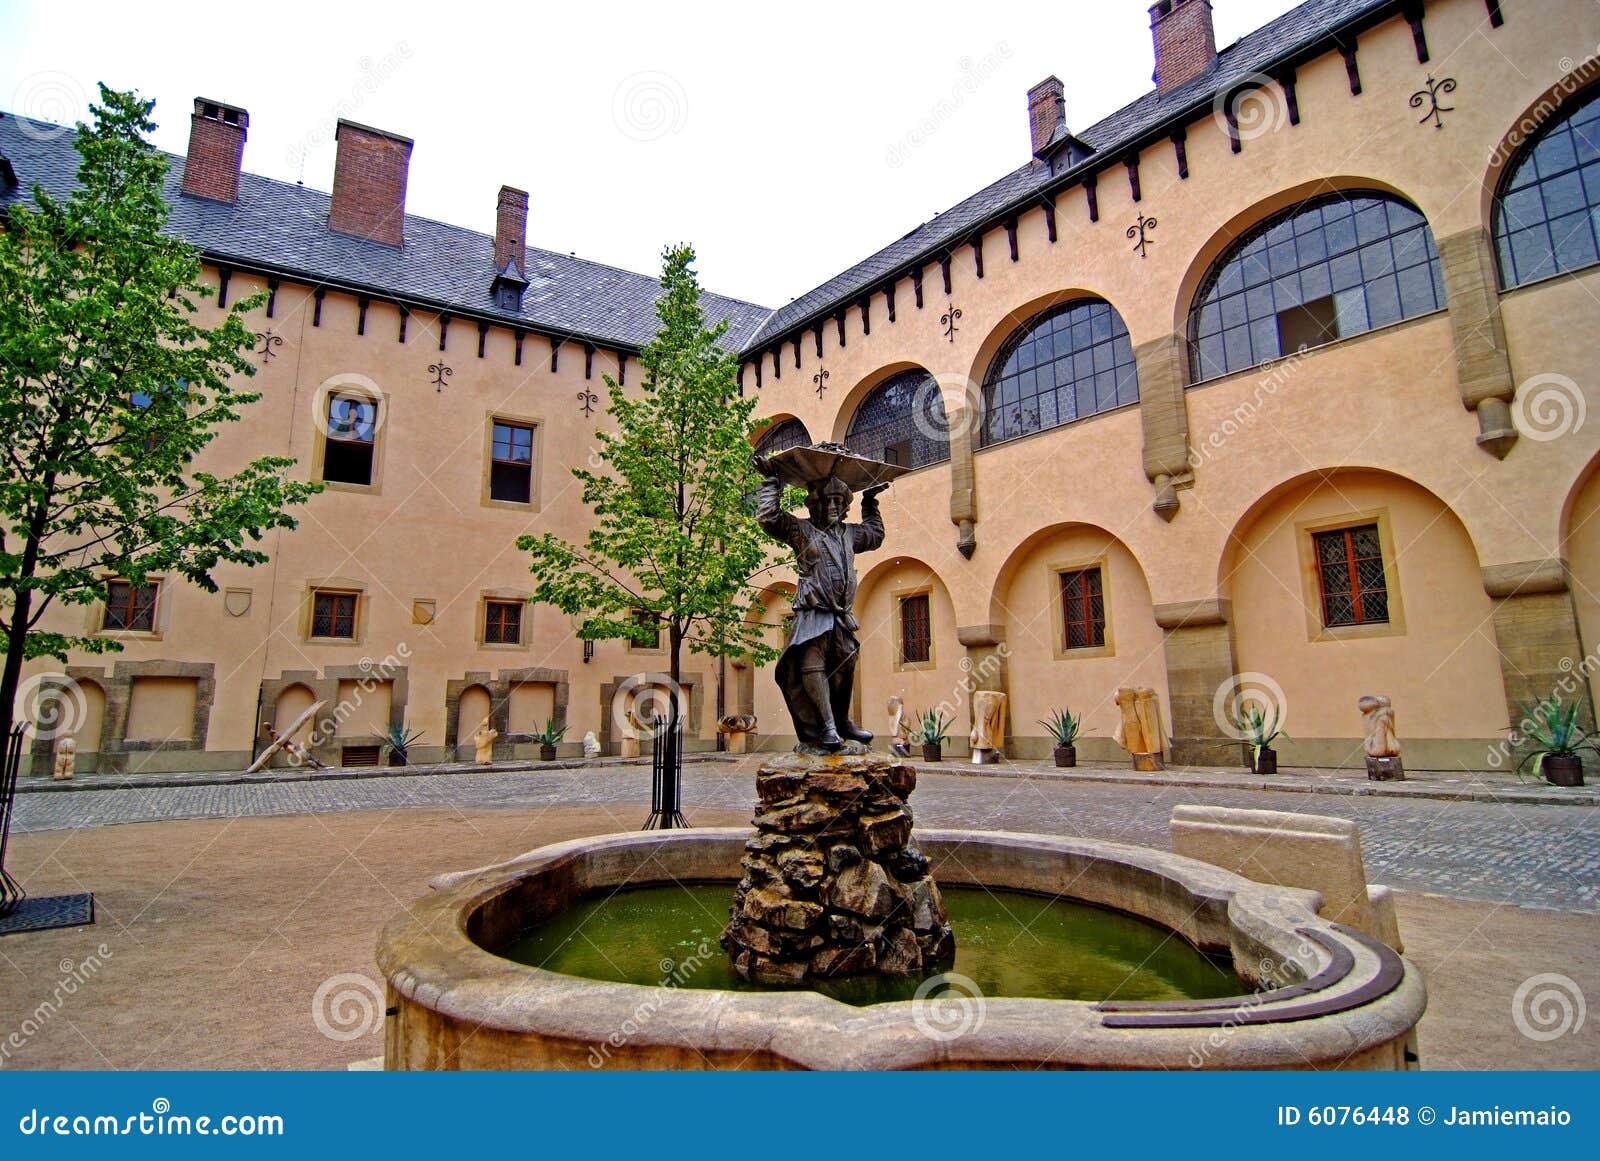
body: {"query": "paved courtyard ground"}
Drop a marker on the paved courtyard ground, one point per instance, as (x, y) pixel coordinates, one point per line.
(223, 909)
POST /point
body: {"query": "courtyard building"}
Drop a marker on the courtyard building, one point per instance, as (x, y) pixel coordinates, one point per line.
(1277, 376)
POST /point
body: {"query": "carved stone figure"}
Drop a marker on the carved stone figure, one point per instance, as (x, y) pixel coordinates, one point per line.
(817, 669)
(899, 733)
(1382, 744)
(66, 754)
(483, 743)
(988, 726)
(1139, 732)
(591, 745)
(737, 728)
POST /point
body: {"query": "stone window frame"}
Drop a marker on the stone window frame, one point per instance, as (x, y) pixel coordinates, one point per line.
(499, 687)
(536, 425)
(117, 690)
(1058, 625)
(356, 386)
(340, 586)
(660, 646)
(1311, 577)
(898, 627)
(502, 596)
(324, 687)
(160, 617)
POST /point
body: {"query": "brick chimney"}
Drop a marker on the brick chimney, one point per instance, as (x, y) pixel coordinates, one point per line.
(216, 147)
(511, 229)
(369, 183)
(1047, 111)
(1186, 43)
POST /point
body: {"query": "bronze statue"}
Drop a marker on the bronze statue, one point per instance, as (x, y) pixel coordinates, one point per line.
(817, 668)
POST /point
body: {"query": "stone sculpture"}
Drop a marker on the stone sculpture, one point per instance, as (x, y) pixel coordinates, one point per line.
(1139, 731)
(1382, 744)
(591, 745)
(833, 885)
(66, 754)
(483, 743)
(988, 735)
(899, 733)
(737, 728)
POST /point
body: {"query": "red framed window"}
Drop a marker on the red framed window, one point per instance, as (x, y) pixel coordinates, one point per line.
(334, 615)
(1350, 573)
(130, 607)
(916, 630)
(511, 463)
(1083, 609)
(502, 623)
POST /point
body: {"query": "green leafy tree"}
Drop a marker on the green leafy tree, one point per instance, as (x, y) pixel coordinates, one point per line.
(674, 547)
(109, 392)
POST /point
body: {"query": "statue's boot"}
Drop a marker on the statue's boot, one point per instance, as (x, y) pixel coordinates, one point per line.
(850, 730)
(818, 690)
(840, 685)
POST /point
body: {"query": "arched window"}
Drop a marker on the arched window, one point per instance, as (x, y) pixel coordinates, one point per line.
(902, 421)
(1547, 211)
(1068, 363)
(785, 434)
(1326, 269)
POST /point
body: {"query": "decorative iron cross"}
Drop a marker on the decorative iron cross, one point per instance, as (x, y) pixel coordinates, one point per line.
(268, 342)
(440, 374)
(948, 321)
(821, 380)
(588, 399)
(1140, 230)
(1430, 97)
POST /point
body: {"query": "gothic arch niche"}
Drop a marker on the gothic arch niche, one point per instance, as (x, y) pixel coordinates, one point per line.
(1433, 651)
(1040, 596)
(764, 698)
(473, 706)
(1580, 546)
(291, 703)
(880, 671)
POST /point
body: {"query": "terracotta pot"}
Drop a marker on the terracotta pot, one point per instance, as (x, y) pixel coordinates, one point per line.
(1266, 761)
(932, 752)
(1562, 769)
(547, 753)
(1066, 756)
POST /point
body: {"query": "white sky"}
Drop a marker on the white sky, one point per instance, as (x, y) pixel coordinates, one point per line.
(786, 142)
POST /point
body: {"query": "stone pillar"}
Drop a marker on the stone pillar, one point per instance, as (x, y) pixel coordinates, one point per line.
(963, 488)
(1483, 366)
(1536, 631)
(1164, 413)
(984, 665)
(1200, 660)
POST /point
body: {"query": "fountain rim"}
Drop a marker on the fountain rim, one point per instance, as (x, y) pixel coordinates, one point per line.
(429, 959)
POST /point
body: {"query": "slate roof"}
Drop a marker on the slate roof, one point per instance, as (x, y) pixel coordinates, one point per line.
(279, 227)
(1295, 32)
(282, 228)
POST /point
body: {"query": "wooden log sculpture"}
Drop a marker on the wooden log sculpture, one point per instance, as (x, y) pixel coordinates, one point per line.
(1139, 731)
(285, 742)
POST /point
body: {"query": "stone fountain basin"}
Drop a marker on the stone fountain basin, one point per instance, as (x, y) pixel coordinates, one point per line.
(1326, 996)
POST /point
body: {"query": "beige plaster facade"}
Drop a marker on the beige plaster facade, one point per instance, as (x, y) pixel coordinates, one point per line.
(1198, 503)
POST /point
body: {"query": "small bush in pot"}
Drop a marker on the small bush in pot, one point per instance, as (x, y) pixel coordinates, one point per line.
(932, 732)
(399, 740)
(1064, 727)
(549, 738)
(1558, 742)
(1259, 730)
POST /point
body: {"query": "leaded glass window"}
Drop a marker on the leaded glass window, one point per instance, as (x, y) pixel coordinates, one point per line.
(1547, 213)
(1068, 363)
(902, 421)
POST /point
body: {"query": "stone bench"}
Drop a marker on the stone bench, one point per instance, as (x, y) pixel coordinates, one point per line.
(1314, 851)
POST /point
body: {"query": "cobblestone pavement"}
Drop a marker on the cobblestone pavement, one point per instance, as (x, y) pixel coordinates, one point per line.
(1539, 856)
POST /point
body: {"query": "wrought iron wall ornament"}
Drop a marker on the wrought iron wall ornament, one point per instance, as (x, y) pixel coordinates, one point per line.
(1140, 230)
(948, 321)
(821, 381)
(269, 343)
(1430, 97)
(587, 399)
(440, 373)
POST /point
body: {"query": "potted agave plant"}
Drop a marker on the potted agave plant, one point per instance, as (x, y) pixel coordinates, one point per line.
(549, 738)
(1558, 741)
(931, 732)
(399, 740)
(1064, 727)
(1258, 730)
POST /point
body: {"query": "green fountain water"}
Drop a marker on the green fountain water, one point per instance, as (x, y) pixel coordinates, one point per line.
(1008, 943)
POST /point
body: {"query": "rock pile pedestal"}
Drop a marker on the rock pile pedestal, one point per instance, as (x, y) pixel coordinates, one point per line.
(833, 885)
